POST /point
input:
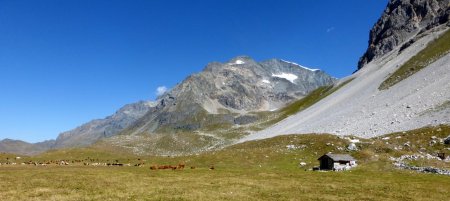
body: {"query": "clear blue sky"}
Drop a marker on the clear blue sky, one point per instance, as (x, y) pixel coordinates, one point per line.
(63, 63)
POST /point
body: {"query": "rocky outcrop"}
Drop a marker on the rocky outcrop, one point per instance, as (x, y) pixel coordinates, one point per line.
(447, 140)
(94, 130)
(401, 21)
(224, 92)
(402, 162)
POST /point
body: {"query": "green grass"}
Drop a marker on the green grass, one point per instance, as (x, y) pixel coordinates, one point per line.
(419, 139)
(255, 170)
(435, 50)
(80, 183)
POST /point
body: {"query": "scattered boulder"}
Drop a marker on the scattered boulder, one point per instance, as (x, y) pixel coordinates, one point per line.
(407, 144)
(432, 142)
(400, 163)
(447, 140)
(291, 147)
(352, 147)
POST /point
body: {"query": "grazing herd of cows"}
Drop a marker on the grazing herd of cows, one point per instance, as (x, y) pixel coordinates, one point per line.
(95, 162)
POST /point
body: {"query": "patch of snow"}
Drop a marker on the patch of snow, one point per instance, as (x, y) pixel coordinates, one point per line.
(239, 62)
(266, 81)
(310, 69)
(288, 76)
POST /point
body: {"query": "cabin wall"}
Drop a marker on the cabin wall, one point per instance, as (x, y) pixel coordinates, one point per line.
(326, 163)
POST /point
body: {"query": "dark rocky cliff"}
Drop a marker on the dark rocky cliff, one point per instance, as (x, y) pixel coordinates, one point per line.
(402, 20)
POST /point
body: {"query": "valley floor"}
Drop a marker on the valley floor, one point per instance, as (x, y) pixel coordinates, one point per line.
(134, 183)
(271, 169)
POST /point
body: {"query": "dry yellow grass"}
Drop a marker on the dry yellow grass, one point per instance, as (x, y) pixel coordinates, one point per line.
(259, 170)
(132, 183)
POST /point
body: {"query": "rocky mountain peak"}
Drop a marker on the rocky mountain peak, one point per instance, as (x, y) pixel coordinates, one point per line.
(239, 60)
(402, 20)
(223, 90)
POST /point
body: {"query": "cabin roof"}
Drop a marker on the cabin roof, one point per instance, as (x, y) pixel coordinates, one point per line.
(339, 157)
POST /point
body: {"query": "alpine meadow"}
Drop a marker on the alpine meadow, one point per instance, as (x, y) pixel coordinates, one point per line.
(233, 117)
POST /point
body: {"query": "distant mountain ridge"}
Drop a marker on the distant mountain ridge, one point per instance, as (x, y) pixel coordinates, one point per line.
(222, 94)
(95, 130)
(85, 134)
(25, 148)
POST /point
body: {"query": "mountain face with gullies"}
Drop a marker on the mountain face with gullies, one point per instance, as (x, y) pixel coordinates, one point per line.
(400, 22)
(402, 82)
(222, 94)
(225, 93)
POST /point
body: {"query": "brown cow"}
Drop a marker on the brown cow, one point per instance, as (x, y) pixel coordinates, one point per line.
(181, 166)
(163, 167)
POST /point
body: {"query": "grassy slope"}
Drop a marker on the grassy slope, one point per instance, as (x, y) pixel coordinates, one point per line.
(256, 170)
(430, 54)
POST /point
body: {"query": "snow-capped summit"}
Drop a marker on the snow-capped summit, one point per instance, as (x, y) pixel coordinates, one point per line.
(296, 64)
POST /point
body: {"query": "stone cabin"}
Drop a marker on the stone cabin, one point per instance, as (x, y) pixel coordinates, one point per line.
(337, 162)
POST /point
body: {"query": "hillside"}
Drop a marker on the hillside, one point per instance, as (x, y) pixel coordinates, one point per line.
(403, 89)
(268, 169)
(85, 134)
(25, 148)
(95, 130)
